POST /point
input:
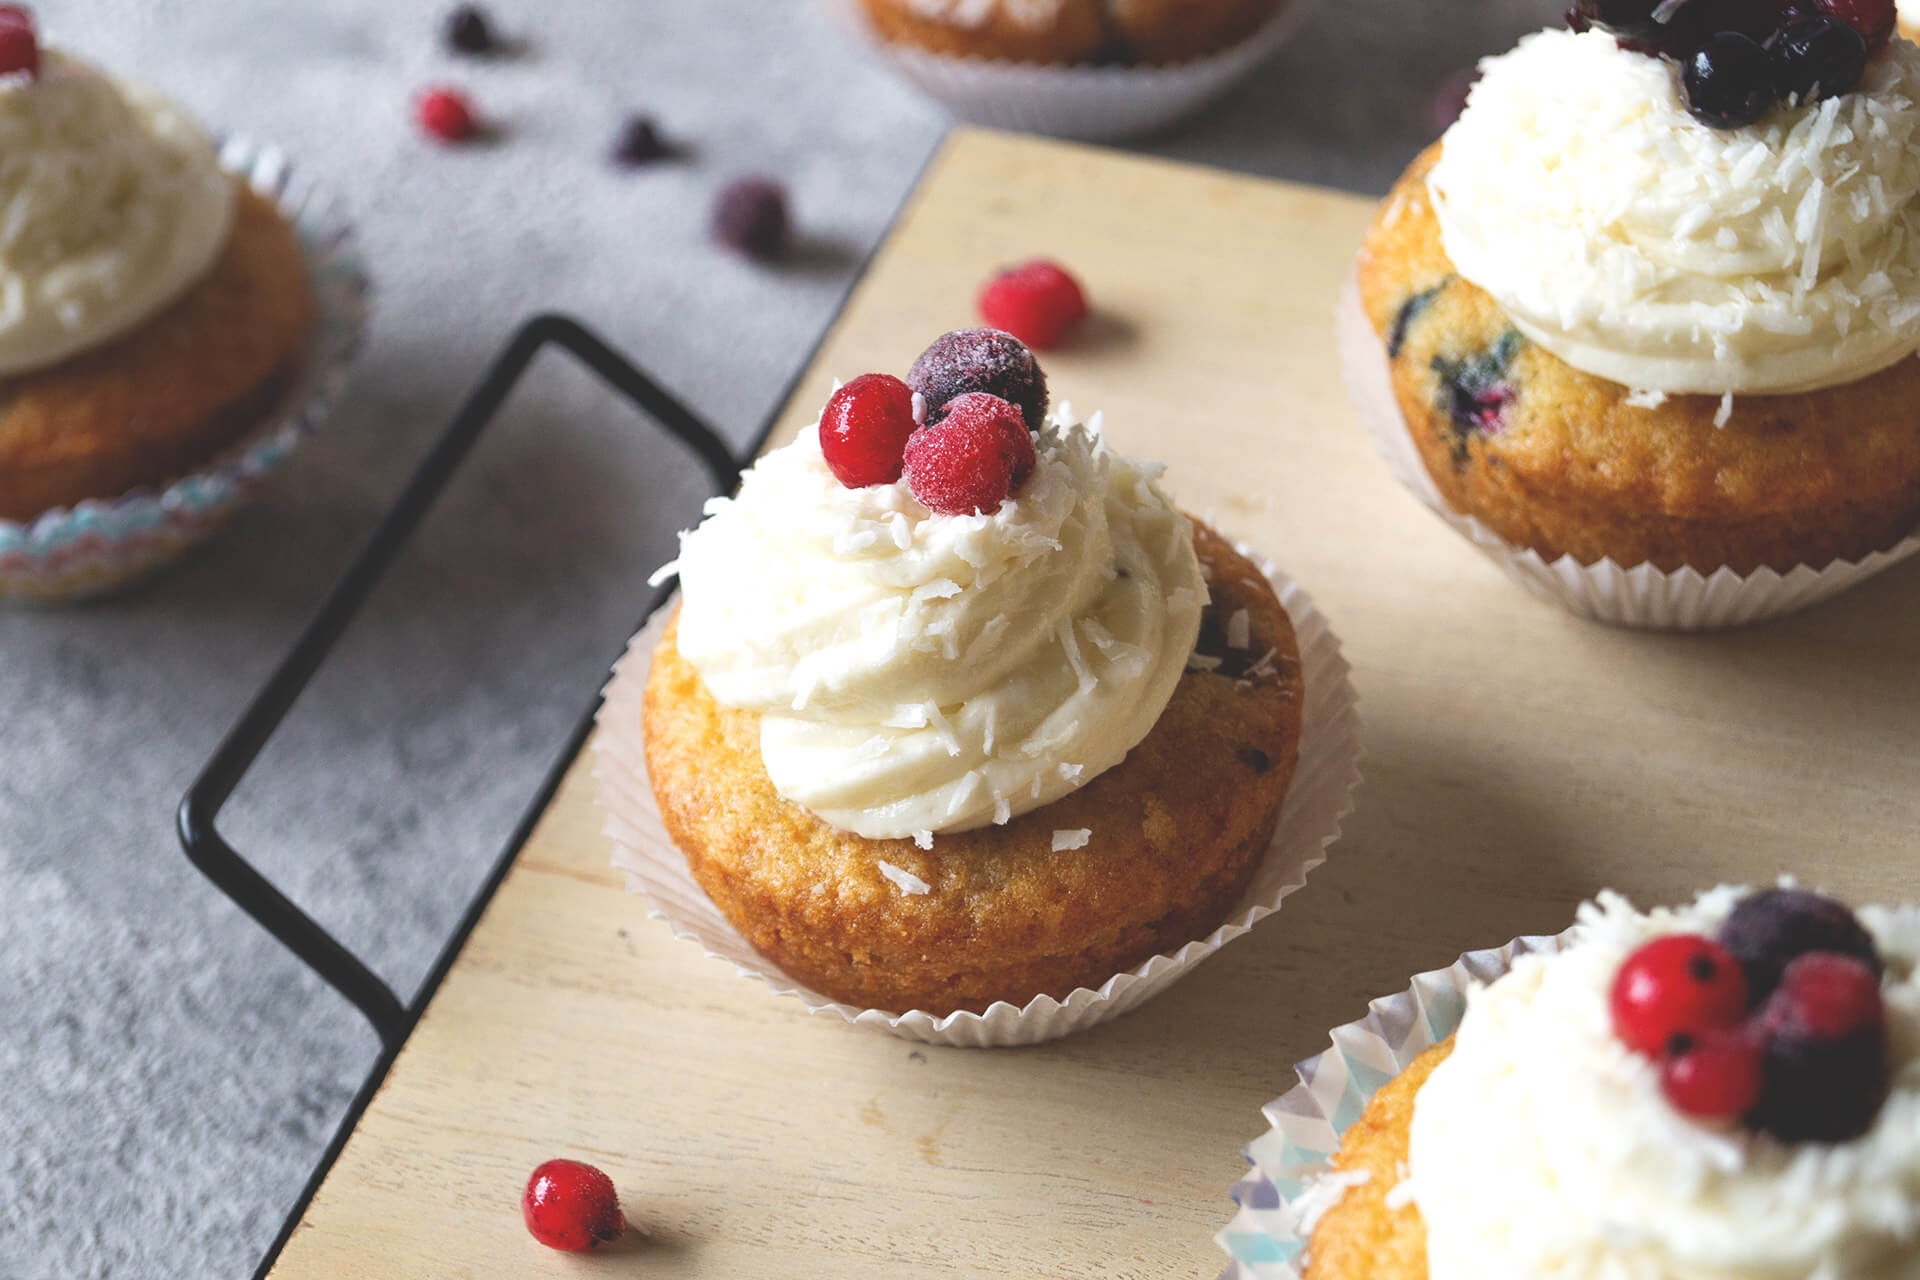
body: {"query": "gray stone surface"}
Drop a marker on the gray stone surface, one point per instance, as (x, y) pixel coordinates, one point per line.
(171, 1076)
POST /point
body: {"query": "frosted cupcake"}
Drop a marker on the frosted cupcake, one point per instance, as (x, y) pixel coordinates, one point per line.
(1729, 1089)
(1654, 298)
(1071, 31)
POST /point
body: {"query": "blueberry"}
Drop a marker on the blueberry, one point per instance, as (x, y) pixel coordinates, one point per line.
(468, 31)
(1815, 58)
(1729, 81)
(1474, 392)
(750, 217)
(981, 360)
(1772, 928)
(639, 142)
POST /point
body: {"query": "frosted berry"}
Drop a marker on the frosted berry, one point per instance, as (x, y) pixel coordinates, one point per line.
(977, 456)
(1678, 986)
(1816, 58)
(1769, 929)
(447, 115)
(750, 217)
(468, 31)
(980, 360)
(864, 431)
(572, 1206)
(1729, 81)
(1873, 19)
(1826, 1038)
(1718, 1076)
(1037, 302)
(19, 44)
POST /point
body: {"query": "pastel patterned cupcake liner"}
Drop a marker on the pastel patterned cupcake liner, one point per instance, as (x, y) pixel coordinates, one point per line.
(1638, 596)
(1094, 103)
(1318, 800)
(94, 546)
(1268, 1237)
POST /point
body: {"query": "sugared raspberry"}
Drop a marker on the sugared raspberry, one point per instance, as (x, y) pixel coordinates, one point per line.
(980, 360)
(1036, 303)
(1826, 1039)
(864, 431)
(19, 44)
(572, 1206)
(750, 217)
(1719, 1076)
(1680, 985)
(1768, 929)
(446, 114)
(1873, 19)
(979, 455)
(1825, 996)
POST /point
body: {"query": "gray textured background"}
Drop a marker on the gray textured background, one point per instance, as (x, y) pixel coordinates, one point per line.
(168, 1076)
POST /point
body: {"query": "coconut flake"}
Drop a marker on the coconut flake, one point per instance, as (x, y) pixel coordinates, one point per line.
(1240, 630)
(664, 572)
(1075, 839)
(904, 880)
(1645, 398)
(1725, 411)
(1002, 811)
(923, 838)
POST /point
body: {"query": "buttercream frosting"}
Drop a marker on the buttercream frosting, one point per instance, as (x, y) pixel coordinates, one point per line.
(917, 672)
(1645, 247)
(1543, 1149)
(112, 204)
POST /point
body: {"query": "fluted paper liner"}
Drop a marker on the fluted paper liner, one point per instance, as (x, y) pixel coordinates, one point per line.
(1094, 103)
(100, 544)
(1640, 596)
(1318, 798)
(1266, 1239)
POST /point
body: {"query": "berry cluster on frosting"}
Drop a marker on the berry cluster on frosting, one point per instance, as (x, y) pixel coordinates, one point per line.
(960, 428)
(1739, 58)
(1777, 1023)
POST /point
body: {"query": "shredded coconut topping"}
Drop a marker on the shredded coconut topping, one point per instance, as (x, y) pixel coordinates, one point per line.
(905, 880)
(1063, 840)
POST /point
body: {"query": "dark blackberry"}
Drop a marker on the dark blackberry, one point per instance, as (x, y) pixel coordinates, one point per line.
(639, 142)
(750, 217)
(1729, 81)
(1774, 927)
(980, 360)
(1815, 58)
(468, 31)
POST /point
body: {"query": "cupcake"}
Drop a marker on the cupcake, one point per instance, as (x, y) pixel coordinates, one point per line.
(1726, 1089)
(1653, 299)
(957, 708)
(1066, 32)
(152, 307)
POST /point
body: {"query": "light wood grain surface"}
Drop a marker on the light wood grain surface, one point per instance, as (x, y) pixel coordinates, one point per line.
(1519, 759)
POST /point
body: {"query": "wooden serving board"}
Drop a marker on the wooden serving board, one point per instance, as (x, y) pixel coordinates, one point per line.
(1519, 759)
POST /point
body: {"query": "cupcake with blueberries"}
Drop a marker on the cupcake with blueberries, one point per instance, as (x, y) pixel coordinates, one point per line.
(959, 715)
(1729, 1088)
(1650, 305)
(158, 313)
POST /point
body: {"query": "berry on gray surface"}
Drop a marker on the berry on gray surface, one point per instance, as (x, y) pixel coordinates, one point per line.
(468, 31)
(639, 142)
(750, 217)
(980, 360)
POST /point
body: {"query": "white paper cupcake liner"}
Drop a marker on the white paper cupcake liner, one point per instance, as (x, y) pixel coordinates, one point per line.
(1094, 103)
(1318, 798)
(1268, 1237)
(1640, 596)
(94, 546)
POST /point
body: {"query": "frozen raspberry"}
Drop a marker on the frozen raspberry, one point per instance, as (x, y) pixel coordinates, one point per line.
(1036, 303)
(864, 431)
(447, 115)
(980, 360)
(1768, 929)
(1873, 19)
(468, 31)
(1719, 1076)
(1678, 986)
(572, 1206)
(979, 455)
(1825, 1032)
(19, 44)
(750, 217)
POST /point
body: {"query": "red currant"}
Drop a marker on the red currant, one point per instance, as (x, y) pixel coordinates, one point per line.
(572, 1206)
(1719, 1076)
(977, 456)
(1824, 995)
(447, 115)
(1680, 985)
(1873, 19)
(19, 45)
(1036, 303)
(863, 433)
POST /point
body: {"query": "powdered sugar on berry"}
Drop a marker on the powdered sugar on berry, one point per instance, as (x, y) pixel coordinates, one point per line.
(1003, 659)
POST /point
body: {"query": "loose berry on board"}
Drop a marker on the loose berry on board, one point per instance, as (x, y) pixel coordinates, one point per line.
(1825, 1033)
(1729, 81)
(572, 1206)
(639, 142)
(1719, 1075)
(1037, 302)
(446, 114)
(1875, 20)
(864, 431)
(1682, 985)
(978, 455)
(750, 217)
(1816, 58)
(1767, 930)
(467, 30)
(980, 360)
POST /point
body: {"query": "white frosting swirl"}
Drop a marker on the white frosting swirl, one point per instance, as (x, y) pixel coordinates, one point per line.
(112, 203)
(918, 672)
(1642, 246)
(1543, 1148)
